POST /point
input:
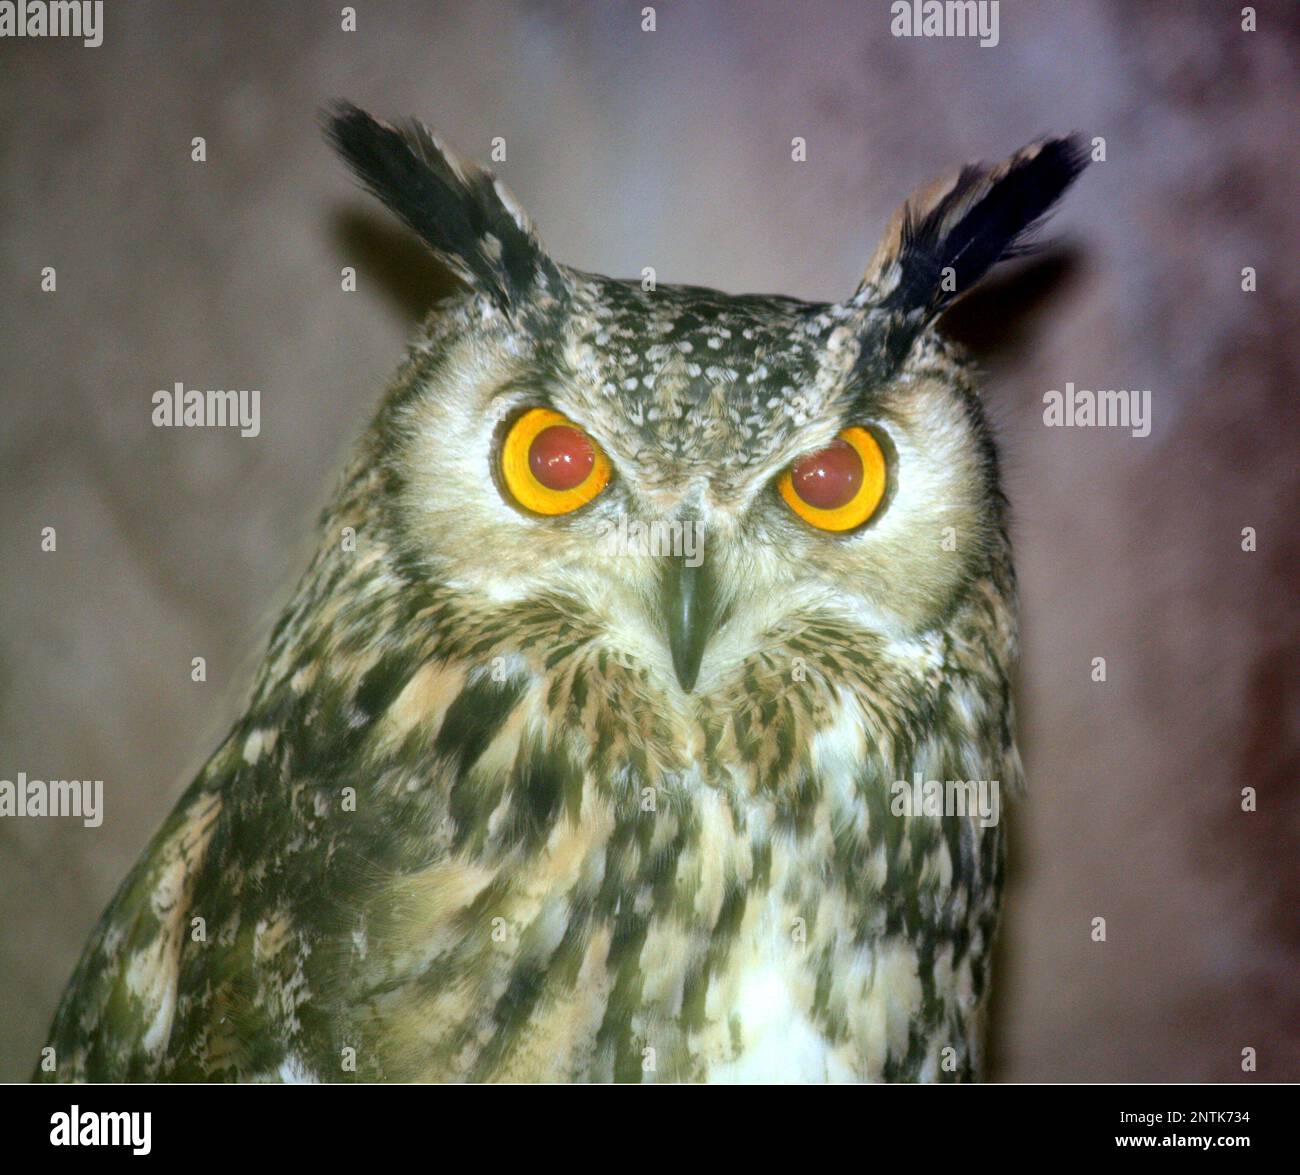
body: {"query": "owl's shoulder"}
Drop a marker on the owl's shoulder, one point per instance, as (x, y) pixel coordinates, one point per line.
(116, 1017)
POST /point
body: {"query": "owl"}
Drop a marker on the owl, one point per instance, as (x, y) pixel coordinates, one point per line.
(636, 717)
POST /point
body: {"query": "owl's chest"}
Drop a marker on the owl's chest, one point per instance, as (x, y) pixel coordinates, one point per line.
(804, 972)
(798, 995)
(700, 935)
(687, 923)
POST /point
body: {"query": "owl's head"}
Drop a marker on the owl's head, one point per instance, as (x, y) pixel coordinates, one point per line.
(686, 476)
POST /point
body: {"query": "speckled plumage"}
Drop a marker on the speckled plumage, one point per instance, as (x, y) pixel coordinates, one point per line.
(472, 826)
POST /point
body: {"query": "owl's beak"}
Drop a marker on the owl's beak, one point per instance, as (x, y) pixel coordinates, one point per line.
(689, 608)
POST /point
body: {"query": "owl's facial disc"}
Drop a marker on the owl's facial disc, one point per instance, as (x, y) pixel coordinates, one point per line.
(689, 544)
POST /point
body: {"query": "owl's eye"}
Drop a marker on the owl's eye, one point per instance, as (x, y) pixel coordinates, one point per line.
(549, 465)
(840, 487)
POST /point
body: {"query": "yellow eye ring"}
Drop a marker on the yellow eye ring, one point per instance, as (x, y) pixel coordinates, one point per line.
(549, 465)
(839, 487)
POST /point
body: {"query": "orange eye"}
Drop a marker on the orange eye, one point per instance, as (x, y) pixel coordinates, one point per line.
(549, 465)
(839, 487)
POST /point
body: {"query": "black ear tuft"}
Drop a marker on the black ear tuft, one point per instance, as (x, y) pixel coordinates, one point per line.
(467, 217)
(944, 241)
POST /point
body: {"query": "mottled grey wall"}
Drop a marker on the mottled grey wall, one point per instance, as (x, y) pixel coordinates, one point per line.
(672, 149)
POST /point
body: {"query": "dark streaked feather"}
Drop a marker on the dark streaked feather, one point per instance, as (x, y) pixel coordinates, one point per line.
(980, 222)
(457, 209)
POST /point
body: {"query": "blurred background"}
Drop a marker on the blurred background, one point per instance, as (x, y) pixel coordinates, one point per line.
(673, 149)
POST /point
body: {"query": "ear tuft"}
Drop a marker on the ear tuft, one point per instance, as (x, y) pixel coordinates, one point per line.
(462, 212)
(944, 239)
